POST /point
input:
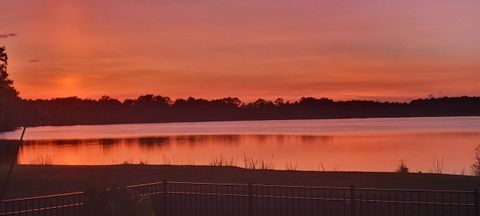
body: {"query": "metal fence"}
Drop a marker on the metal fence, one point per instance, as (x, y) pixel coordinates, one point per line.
(187, 198)
(59, 204)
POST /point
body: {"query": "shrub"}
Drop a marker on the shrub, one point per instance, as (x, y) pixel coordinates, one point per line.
(402, 167)
(105, 199)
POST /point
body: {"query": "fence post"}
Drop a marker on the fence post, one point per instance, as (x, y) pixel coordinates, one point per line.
(476, 203)
(250, 199)
(352, 200)
(164, 197)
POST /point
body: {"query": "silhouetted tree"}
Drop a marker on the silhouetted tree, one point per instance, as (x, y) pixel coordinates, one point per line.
(9, 100)
(279, 102)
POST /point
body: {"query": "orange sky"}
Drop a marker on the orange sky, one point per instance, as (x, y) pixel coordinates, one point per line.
(382, 50)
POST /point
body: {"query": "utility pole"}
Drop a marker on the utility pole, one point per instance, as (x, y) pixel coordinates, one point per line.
(12, 163)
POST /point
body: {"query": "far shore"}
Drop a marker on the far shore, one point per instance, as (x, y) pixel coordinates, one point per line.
(19, 128)
(31, 180)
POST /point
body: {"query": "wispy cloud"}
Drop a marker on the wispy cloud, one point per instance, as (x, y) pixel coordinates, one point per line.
(4, 36)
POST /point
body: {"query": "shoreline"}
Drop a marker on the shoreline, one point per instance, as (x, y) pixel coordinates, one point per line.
(34, 180)
(241, 120)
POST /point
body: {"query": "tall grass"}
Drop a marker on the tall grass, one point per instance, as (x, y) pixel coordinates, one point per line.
(42, 160)
(290, 166)
(257, 163)
(222, 161)
(174, 161)
(321, 167)
(438, 165)
(140, 162)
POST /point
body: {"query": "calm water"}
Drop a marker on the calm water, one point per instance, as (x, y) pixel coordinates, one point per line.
(350, 144)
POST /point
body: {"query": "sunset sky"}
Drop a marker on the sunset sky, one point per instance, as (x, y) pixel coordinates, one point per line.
(381, 50)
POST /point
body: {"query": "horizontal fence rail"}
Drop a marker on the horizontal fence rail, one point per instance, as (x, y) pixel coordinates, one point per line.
(59, 204)
(188, 198)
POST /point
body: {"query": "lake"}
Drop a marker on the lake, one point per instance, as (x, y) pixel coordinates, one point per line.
(426, 144)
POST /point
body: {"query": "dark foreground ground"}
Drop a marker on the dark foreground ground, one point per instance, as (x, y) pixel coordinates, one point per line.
(41, 180)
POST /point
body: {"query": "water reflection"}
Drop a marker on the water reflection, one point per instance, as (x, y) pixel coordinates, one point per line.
(347, 144)
(190, 140)
(378, 152)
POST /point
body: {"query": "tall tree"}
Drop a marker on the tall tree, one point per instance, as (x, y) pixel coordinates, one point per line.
(9, 100)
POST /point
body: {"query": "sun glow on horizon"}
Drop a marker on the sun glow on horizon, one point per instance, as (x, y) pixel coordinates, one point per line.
(245, 49)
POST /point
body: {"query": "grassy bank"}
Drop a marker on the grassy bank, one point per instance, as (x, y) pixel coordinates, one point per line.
(29, 180)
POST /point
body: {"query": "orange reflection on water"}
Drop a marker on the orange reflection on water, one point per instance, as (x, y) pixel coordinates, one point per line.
(380, 152)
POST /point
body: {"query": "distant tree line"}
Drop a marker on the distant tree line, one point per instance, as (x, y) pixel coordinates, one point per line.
(15, 112)
(153, 109)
